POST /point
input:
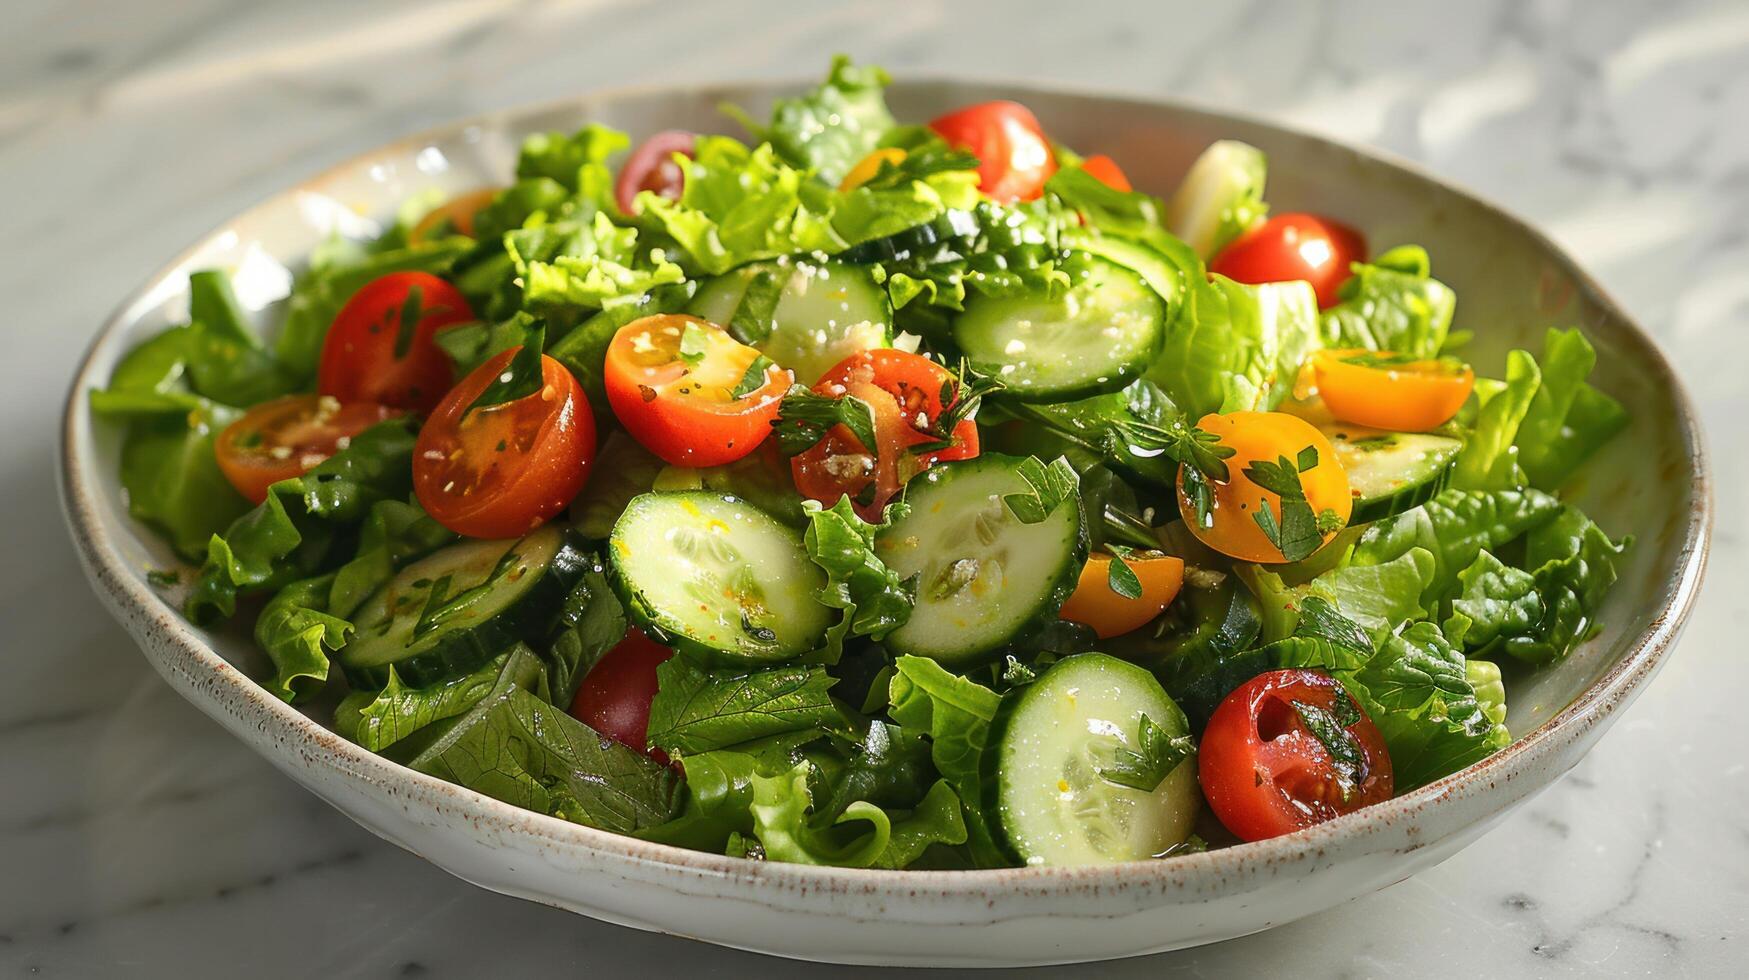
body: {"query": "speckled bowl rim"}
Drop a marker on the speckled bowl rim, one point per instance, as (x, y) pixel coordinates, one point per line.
(193, 658)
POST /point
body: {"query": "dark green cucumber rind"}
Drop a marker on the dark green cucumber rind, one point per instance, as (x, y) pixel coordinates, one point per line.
(949, 227)
(1425, 474)
(460, 650)
(663, 628)
(990, 764)
(939, 477)
(1200, 667)
(1156, 269)
(981, 308)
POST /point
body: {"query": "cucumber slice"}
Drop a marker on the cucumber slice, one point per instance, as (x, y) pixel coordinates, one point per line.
(1098, 336)
(1156, 269)
(1391, 472)
(985, 580)
(1052, 738)
(451, 612)
(715, 573)
(954, 227)
(807, 316)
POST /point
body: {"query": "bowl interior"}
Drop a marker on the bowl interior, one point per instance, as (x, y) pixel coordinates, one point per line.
(1511, 283)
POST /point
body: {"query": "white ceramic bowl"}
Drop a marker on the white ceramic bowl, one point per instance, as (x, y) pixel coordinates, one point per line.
(1511, 283)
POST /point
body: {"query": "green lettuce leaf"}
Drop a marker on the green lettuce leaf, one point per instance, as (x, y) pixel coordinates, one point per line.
(1489, 459)
(862, 835)
(1417, 689)
(514, 746)
(1454, 527)
(1392, 304)
(294, 531)
(298, 632)
(585, 265)
(1234, 347)
(874, 599)
(718, 791)
(698, 710)
(591, 622)
(956, 713)
(1568, 420)
(379, 719)
(173, 480)
(1221, 196)
(835, 125)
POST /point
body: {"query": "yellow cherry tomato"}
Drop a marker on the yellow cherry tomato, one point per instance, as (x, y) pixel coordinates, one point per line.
(1095, 604)
(1390, 391)
(1233, 528)
(868, 166)
(457, 213)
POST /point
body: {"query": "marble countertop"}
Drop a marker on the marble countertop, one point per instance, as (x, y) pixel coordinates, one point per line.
(136, 838)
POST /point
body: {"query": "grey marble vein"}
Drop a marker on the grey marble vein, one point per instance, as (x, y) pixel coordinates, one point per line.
(137, 839)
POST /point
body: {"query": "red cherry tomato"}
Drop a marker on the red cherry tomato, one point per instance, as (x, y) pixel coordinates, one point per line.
(371, 355)
(651, 167)
(615, 696)
(1014, 158)
(1107, 172)
(284, 438)
(501, 471)
(1265, 773)
(671, 380)
(904, 389)
(1294, 246)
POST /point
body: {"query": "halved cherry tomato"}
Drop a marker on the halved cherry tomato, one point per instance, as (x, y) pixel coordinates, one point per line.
(500, 471)
(671, 379)
(1266, 773)
(1014, 158)
(1294, 246)
(379, 348)
(284, 438)
(1096, 604)
(1390, 391)
(904, 390)
(866, 168)
(1268, 436)
(615, 696)
(651, 167)
(1107, 172)
(457, 214)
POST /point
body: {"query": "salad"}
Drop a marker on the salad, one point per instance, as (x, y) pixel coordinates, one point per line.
(875, 494)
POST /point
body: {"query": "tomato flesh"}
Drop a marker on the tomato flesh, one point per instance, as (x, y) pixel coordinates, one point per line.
(1294, 246)
(1232, 528)
(286, 437)
(1014, 157)
(1095, 603)
(1388, 392)
(680, 402)
(502, 471)
(651, 167)
(1106, 171)
(904, 390)
(615, 696)
(1266, 773)
(371, 355)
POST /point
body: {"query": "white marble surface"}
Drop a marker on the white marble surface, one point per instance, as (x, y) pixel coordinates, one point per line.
(136, 838)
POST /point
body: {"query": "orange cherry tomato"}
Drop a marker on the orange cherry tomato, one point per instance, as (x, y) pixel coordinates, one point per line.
(671, 380)
(1233, 529)
(868, 166)
(1294, 246)
(1106, 171)
(1096, 604)
(284, 438)
(1390, 391)
(1014, 158)
(904, 390)
(370, 355)
(502, 471)
(456, 214)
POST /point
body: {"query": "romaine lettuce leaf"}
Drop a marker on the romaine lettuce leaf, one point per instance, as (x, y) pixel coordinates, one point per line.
(1489, 459)
(834, 126)
(1454, 527)
(956, 713)
(297, 632)
(1221, 196)
(1392, 304)
(591, 622)
(1417, 689)
(874, 599)
(585, 265)
(862, 835)
(172, 479)
(1568, 419)
(1234, 347)
(698, 710)
(379, 719)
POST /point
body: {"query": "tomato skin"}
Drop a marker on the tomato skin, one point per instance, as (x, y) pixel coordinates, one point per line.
(686, 414)
(1412, 397)
(901, 388)
(286, 437)
(1015, 158)
(651, 167)
(1265, 774)
(458, 212)
(359, 362)
(1106, 171)
(1294, 246)
(1266, 436)
(502, 471)
(1094, 604)
(614, 698)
